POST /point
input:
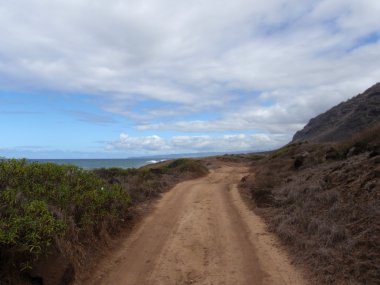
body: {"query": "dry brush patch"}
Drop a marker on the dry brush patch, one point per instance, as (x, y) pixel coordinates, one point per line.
(327, 211)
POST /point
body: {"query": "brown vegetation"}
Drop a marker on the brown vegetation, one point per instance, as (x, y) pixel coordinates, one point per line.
(323, 201)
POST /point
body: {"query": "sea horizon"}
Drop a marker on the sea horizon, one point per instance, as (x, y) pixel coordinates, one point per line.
(94, 163)
(125, 163)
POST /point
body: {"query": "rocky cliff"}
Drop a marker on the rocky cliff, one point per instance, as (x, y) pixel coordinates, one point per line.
(345, 119)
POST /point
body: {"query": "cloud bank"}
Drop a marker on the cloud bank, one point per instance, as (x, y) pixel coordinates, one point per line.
(181, 144)
(194, 66)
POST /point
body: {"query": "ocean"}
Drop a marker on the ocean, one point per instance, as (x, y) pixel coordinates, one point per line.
(102, 163)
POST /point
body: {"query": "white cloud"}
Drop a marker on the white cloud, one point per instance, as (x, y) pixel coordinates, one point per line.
(181, 144)
(148, 143)
(303, 56)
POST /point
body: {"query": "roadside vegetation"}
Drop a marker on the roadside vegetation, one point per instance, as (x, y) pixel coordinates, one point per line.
(50, 212)
(323, 202)
(149, 182)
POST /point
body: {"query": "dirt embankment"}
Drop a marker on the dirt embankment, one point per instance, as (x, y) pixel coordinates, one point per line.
(200, 232)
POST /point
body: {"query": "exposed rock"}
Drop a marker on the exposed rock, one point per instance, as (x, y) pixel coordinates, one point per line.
(345, 119)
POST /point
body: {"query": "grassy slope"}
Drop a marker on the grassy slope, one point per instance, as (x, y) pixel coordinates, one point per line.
(323, 201)
(62, 211)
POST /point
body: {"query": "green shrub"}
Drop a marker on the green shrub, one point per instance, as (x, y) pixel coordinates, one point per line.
(38, 200)
(187, 165)
(27, 228)
(178, 162)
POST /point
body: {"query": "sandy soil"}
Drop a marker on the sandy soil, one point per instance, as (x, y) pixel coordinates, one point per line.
(200, 232)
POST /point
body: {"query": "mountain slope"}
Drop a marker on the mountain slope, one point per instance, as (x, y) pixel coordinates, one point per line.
(345, 119)
(322, 197)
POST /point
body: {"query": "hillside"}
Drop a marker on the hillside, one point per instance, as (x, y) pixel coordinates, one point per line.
(321, 194)
(343, 120)
(324, 208)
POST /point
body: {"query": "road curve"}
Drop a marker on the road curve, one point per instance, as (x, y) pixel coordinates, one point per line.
(200, 232)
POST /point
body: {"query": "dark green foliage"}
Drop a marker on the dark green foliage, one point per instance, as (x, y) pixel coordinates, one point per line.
(37, 201)
(179, 162)
(188, 165)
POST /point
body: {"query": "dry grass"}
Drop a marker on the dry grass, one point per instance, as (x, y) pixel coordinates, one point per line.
(367, 140)
(327, 211)
(150, 181)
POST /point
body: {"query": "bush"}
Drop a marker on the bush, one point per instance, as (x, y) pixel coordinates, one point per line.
(187, 165)
(37, 202)
(148, 182)
(27, 228)
(262, 197)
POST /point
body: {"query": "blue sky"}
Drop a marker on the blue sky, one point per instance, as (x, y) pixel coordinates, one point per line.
(127, 78)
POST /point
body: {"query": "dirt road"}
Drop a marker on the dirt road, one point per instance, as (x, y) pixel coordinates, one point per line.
(200, 232)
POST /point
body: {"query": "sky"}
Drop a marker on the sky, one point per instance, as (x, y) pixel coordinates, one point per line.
(117, 79)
